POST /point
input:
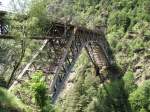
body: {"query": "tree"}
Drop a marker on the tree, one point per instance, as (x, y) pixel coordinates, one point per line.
(129, 82)
(139, 99)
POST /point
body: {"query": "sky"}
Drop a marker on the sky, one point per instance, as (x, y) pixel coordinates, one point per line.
(5, 4)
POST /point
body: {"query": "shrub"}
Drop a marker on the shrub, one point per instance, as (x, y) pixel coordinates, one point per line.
(34, 91)
(140, 98)
(129, 82)
(9, 102)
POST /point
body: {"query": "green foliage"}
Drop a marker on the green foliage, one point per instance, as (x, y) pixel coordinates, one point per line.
(129, 82)
(35, 92)
(127, 24)
(140, 98)
(39, 88)
(89, 96)
(143, 110)
(113, 97)
(40, 17)
(9, 102)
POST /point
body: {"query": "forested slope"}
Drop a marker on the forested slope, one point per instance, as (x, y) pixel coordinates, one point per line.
(126, 24)
(128, 32)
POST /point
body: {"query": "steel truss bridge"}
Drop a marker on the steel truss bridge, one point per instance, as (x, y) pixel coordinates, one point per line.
(66, 43)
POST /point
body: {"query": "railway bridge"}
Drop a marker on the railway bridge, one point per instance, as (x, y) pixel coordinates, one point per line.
(65, 42)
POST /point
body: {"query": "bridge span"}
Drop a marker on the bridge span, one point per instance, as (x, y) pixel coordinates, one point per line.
(65, 42)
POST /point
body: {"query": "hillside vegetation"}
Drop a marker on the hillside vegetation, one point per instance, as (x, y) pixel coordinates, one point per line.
(126, 24)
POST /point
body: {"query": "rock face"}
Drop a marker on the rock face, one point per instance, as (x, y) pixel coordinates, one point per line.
(68, 84)
(141, 70)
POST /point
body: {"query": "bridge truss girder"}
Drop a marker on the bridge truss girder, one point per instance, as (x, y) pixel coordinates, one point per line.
(64, 45)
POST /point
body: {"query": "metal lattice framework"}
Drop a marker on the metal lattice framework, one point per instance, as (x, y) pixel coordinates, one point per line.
(3, 27)
(66, 43)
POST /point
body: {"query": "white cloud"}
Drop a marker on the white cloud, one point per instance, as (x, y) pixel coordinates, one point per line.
(5, 4)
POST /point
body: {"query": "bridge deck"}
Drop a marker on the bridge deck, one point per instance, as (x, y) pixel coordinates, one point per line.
(56, 30)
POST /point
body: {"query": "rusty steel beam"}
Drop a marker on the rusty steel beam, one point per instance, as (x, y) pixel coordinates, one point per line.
(34, 37)
(59, 30)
